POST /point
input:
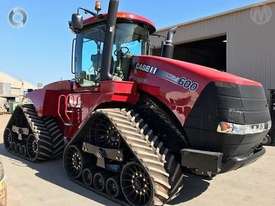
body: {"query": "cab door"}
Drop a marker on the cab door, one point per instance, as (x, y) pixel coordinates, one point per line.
(87, 59)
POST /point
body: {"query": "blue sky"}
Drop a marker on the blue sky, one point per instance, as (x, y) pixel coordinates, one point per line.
(41, 50)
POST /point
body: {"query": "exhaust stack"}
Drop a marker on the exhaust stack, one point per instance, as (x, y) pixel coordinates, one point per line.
(168, 46)
(109, 40)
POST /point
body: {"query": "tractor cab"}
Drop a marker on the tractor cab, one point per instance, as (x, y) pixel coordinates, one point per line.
(97, 56)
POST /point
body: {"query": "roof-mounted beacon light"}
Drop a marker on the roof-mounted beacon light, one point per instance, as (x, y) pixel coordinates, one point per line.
(98, 6)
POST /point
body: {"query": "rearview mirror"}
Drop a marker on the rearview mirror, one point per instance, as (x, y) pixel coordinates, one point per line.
(76, 23)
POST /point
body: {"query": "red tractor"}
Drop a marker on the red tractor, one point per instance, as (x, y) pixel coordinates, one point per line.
(130, 123)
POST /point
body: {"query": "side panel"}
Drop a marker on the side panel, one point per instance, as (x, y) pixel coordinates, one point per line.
(78, 103)
(165, 85)
(46, 100)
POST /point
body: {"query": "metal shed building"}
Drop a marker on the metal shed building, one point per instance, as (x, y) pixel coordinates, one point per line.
(240, 41)
(11, 89)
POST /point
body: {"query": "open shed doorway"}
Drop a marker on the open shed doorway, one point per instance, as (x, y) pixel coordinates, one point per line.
(208, 52)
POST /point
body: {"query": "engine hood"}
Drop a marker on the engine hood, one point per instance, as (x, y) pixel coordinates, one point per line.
(189, 70)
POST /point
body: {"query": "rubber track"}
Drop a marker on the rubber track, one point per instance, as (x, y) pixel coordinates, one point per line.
(162, 125)
(57, 137)
(147, 148)
(41, 130)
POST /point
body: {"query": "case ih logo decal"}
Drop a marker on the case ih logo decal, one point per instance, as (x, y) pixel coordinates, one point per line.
(146, 68)
(180, 81)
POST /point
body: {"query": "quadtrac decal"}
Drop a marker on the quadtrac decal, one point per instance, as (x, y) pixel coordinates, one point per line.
(180, 81)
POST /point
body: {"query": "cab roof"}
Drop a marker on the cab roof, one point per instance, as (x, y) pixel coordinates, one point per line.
(120, 17)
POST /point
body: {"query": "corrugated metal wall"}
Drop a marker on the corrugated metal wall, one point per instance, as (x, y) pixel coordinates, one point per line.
(5, 89)
(250, 46)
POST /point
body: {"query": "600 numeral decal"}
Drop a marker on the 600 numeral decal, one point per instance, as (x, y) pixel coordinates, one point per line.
(188, 84)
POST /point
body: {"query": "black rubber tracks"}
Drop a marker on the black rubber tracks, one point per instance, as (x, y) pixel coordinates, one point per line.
(169, 133)
(57, 137)
(43, 131)
(149, 151)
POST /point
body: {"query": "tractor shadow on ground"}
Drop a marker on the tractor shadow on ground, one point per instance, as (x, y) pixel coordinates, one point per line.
(193, 187)
(53, 172)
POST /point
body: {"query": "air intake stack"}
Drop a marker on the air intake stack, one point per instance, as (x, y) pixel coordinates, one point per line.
(168, 46)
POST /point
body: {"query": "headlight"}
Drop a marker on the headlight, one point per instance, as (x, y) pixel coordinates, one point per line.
(231, 128)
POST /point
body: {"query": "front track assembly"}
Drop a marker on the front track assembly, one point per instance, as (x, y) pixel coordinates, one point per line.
(117, 155)
(31, 137)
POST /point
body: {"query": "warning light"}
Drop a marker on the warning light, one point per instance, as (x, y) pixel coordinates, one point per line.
(98, 6)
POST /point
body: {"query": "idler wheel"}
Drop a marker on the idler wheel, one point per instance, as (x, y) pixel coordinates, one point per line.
(136, 185)
(32, 147)
(73, 162)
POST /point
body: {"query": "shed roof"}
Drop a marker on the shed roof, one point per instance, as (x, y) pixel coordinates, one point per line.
(15, 83)
(232, 11)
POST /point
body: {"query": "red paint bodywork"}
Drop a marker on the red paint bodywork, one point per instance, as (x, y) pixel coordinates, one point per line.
(176, 98)
(47, 101)
(83, 101)
(122, 16)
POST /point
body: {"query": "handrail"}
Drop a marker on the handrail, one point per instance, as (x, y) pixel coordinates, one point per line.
(65, 105)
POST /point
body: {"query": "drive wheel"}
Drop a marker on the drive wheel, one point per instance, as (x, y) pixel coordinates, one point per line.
(8, 139)
(32, 147)
(136, 185)
(73, 162)
(112, 187)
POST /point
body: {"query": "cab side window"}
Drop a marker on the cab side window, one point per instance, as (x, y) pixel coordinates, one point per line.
(89, 48)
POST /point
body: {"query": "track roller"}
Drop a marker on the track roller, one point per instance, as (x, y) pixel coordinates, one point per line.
(23, 150)
(112, 187)
(87, 177)
(16, 148)
(99, 182)
(12, 146)
(19, 148)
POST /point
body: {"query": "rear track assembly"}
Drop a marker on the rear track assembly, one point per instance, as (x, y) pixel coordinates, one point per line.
(31, 137)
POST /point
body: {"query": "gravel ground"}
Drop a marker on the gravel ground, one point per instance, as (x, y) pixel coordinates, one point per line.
(46, 184)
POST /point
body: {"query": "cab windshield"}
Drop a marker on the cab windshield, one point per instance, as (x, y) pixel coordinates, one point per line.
(130, 40)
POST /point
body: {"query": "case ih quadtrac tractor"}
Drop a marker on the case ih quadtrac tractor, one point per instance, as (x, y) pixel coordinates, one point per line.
(130, 123)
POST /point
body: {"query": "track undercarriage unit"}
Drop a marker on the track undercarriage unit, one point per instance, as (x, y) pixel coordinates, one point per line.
(116, 154)
(31, 137)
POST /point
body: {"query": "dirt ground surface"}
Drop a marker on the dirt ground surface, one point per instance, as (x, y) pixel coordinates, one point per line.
(46, 184)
